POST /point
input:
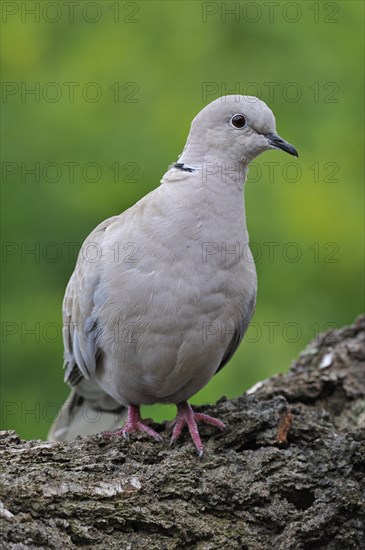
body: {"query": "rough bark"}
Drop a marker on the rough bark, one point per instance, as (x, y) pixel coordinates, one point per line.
(288, 472)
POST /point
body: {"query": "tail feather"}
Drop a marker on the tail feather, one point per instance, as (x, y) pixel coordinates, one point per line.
(88, 410)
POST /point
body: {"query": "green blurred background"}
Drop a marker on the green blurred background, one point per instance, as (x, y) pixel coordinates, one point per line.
(166, 60)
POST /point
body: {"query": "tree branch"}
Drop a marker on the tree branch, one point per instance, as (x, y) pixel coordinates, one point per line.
(288, 472)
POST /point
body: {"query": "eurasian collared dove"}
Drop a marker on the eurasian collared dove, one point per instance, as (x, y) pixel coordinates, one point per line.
(163, 293)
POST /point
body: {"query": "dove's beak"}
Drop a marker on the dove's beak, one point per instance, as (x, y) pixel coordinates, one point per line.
(278, 143)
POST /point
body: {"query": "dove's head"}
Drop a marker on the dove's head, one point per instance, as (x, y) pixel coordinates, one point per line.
(234, 128)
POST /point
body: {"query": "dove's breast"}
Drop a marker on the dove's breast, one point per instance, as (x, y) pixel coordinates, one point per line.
(174, 299)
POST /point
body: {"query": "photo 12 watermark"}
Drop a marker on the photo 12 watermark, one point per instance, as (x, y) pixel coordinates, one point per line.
(290, 252)
(30, 11)
(69, 92)
(68, 171)
(290, 332)
(273, 91)
(270, 12)
(89, 252)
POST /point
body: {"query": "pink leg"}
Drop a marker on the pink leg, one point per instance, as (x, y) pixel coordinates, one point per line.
(186, 415)
(134, 423)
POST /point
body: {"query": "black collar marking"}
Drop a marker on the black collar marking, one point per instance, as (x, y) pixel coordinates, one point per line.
(181, 166)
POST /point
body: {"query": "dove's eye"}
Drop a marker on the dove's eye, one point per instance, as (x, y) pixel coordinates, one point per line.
(238, 121)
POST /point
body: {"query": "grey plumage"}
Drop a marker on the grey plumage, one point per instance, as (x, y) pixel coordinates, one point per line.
(162, 294)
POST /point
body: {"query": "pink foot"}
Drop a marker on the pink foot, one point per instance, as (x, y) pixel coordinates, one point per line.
(186, 415)
(134, 423)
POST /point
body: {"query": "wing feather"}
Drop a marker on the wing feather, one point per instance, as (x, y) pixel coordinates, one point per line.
(80, 323)
(239, 333)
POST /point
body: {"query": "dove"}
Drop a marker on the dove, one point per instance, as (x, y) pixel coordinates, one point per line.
(162, 294)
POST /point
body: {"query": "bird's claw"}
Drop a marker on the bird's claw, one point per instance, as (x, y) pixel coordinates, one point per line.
(186, 416)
